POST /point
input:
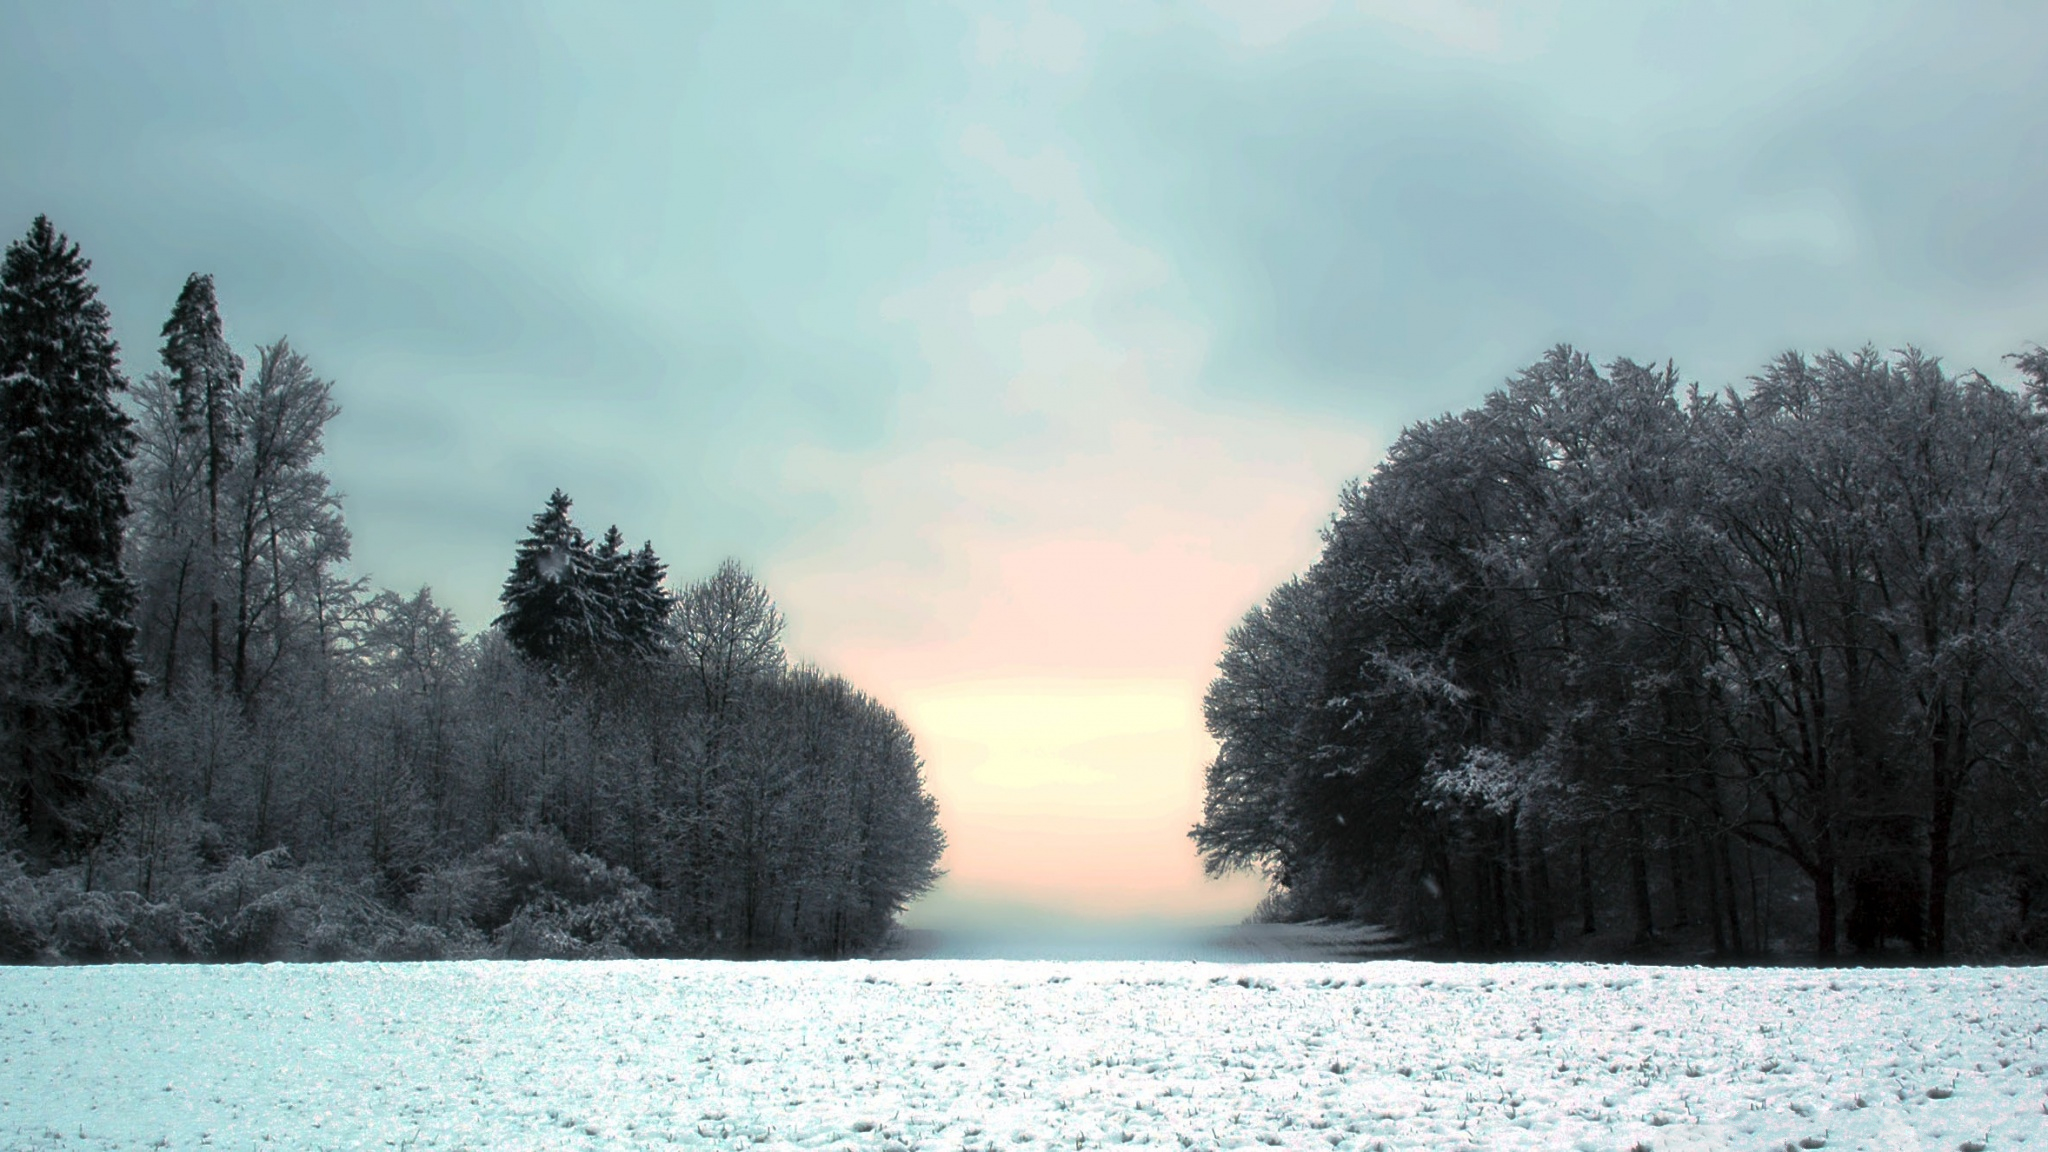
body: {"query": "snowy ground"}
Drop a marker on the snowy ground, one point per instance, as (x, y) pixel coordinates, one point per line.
(1012, 1055)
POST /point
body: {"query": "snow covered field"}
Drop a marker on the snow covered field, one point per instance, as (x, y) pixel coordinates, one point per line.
(1019, 1055)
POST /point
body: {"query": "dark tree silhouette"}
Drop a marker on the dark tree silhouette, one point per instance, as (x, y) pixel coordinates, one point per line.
(64, 452)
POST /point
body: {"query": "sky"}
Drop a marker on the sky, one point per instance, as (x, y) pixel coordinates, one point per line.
(1019, 349)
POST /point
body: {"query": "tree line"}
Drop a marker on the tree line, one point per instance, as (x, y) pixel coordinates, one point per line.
(216, 742)
(1761, 671)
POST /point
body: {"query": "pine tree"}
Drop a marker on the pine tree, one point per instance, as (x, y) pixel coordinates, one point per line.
(568, 603)
(608, 585)
(206, 376)
(64, 452)
(645, 604)
(554, 610)
(634, 600)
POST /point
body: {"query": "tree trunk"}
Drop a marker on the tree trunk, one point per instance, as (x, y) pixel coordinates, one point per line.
(1947, 753)
(1717, 899)
(1825, 911)
(1725, 859)
(177, 626)
(1639, 880)
(1587, 925)
(1447, 895)
(1940, 842)
(1543, 915)
(1674, 864)
(1515, 890)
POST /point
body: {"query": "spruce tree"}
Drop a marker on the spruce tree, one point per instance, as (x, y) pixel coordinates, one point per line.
(553, 607)
(206, 376)
(632, 599)
(608, 585)
(644, 604)
(64, 451)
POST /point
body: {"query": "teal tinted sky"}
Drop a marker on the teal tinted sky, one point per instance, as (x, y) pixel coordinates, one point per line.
(1019, 348)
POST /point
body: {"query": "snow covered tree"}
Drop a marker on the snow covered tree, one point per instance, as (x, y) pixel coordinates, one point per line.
(206, 379)
(64, 452)
(555, 608)
(360, 780)
(2033, 364)
(415, 661)
(729, 634)
(285, 537)
(206, 374)
(568, 604)
(190, 431)
(1763, 659)
(642, 604)
(1262, 710)
(175, 571)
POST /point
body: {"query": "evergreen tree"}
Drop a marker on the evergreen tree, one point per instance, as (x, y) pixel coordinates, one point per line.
(64, 452)
(634, 602)
(645, 604)
(554, 609)
(206, 376)
(608, 584)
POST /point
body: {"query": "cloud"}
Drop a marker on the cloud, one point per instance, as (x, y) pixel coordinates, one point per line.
(1265, 23)
(1038, 569)
(1486, 28)
(1811, 224)
(1474, 27)
(1043, 40)
(1064, 280)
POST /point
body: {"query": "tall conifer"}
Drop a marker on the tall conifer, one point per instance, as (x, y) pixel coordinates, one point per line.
(207, 375)
(64, 451)
(645, 604)
(552, 610)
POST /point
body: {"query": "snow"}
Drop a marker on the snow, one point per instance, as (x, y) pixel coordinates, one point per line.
(984, 1054)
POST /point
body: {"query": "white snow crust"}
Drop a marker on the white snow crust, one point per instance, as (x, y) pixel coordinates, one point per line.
(899, 1055)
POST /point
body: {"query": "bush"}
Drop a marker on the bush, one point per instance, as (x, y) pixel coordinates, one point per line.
(457, 895)
(262, 908)
(530, 863)
(428, 942)
(527, 896)
(556, 903)
(341, 923)
(124, 926)
(539, 930)
(1998, 915)
(50, 918)
(249, 906)
(23, 934)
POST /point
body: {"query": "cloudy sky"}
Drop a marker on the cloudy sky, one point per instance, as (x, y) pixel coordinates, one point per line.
(1018, 348)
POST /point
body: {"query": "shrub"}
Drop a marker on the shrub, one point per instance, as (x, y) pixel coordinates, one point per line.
(458, 894)
(123, 926)
(539, 930)
(555, 902)
(429, 942)
(23, 934)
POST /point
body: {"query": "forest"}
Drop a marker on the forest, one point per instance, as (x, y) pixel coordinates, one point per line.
(1760, 672)
(216, 742)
